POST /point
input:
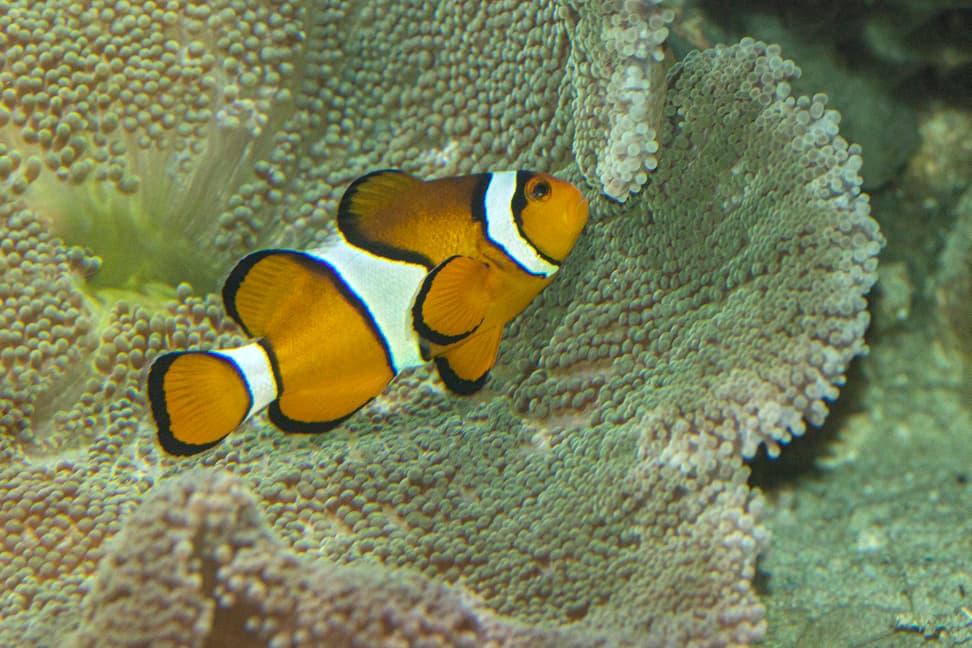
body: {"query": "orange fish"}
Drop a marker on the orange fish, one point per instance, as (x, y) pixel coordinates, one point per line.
(423, 270)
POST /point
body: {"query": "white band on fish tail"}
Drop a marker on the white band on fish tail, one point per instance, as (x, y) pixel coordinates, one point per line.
(254, 365)
(501, 227)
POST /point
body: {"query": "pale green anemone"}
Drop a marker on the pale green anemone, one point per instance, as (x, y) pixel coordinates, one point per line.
(134, 128)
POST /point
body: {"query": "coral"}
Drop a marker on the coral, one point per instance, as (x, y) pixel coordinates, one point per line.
(940, 166)
(600, 494)
(46, 322)
(912, 45)
(55, 519)
(953, 283)
(113, 395)
(736, 287)
(55, 512)
(118, 121)
(438, 92)
(217, 571)
(928, 228)
(937, 184)
(620, 86)
(820, 36)
(923, 38)
(476, 496)
(894, 294)
(62, 381)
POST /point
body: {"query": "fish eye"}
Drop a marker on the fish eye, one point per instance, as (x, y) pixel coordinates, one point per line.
(540, 190)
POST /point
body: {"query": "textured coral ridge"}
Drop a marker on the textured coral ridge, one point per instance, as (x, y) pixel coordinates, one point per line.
(744, 298)
(620, 91)
(603, 500)
(115, 116)
(45, 321)
(203, 529)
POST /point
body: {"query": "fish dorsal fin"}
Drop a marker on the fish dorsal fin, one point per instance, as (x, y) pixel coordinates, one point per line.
(452, 301)
(259, 284)
(464, 368)
(371, 211)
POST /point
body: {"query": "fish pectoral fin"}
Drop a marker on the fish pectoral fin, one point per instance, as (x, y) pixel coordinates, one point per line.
(452, 301)
(464, 367)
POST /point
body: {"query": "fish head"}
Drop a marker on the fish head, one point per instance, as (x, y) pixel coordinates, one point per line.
(554, 215)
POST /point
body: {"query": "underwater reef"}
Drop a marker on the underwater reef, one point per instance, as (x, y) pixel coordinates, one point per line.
(871, 515)
(595, 493)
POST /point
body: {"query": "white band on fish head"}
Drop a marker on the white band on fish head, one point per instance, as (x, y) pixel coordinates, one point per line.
(503, 230)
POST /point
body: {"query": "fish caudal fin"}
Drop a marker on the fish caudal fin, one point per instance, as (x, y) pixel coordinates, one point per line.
(199, 397)
(464, 368)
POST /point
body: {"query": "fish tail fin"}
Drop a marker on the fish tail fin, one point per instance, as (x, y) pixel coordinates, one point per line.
(199, 397)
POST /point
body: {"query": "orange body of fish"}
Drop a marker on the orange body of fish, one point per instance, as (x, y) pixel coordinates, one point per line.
(423, 271)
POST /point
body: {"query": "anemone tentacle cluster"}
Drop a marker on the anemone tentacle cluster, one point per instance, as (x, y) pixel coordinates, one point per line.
(748, 290)
(140, 129)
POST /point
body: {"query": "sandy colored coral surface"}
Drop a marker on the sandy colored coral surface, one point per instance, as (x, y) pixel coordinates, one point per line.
(870, 518)
(870, 514)
(871, 530)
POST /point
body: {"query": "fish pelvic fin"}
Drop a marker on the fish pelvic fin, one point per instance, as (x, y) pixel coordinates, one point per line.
(464, 367)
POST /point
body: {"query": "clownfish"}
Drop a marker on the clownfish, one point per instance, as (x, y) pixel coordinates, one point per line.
(422, 271)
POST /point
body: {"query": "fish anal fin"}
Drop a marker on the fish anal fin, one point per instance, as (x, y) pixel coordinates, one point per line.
(197, 398)
(464, 367)
(452, 301)
(311, 409)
